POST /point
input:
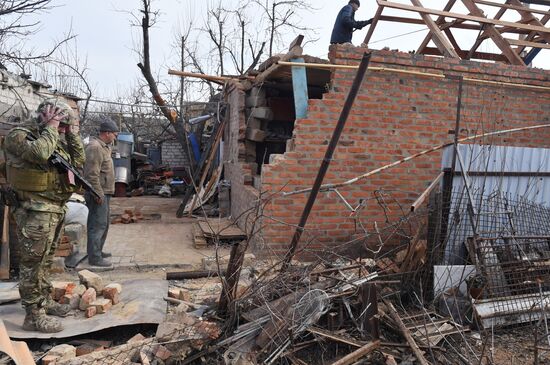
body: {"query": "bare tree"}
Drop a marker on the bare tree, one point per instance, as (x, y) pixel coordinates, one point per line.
(282, 16)
(15, 29)
(67, 70)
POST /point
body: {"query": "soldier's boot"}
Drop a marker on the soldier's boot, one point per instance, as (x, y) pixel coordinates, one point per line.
(53, 308)
(37, 320)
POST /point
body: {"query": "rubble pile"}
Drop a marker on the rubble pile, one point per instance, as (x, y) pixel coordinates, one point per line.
(129, 216)
(90, 295)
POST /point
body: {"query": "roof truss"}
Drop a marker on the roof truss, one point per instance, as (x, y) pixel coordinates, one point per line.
(534, 34)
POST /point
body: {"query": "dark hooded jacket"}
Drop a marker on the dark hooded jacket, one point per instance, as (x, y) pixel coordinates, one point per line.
(344, 25)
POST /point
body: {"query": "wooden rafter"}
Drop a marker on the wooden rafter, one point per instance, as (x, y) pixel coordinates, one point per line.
(527, 15)
(440, 20)
(438, 37)
(511, 7)
(495, 35)
(532, 35)
(373, 24)
(478, 19)
(536, 33)
(482, 36)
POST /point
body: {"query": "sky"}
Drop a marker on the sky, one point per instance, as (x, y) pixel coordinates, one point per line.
(108, 40)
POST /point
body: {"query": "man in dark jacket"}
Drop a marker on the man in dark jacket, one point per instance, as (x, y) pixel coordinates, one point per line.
(345, 23)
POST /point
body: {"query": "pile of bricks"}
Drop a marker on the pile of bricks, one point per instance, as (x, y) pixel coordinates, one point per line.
(90, 296)
(128, 217)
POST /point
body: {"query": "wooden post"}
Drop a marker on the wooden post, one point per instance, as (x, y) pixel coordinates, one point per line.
(231, 280)
(369, 301)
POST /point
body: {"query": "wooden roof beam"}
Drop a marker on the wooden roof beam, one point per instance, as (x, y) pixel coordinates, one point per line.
(483, 36)
(433, 51)
(478, 19)
(438, 37)
(495, 35)
(527, 15)
(375, 20)
(512, 7)
(440, 20)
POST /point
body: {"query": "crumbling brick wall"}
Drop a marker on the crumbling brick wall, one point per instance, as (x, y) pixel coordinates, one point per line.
(243, 195)
(395, 115)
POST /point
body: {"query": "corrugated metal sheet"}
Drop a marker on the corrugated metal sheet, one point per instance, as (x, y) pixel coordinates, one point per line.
(530, 163)
(495, 193)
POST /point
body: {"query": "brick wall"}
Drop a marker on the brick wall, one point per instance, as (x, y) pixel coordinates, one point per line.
(395, 115)
(172, 154)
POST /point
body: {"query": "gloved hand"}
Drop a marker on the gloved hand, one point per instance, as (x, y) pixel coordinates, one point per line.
(363, 23)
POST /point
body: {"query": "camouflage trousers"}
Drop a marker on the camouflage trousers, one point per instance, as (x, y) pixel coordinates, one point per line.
(38, 234)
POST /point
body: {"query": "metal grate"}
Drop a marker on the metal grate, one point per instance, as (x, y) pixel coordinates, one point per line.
(516, 270)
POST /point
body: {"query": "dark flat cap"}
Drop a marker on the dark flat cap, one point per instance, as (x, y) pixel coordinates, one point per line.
(108, 126)
(355, 2)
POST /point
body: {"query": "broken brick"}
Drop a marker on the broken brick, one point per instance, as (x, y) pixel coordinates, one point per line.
(181, 294)
(111, 293)
(58, 289)
(162, 353)
(87, 298)
(91, 280)
(49, 360)
(136, 338)
(91, 311)
(102, 305)
(69, 289)
(115, 285)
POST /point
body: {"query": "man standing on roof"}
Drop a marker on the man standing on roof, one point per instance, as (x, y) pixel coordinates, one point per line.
(100, 172)
(41, 193)
(345, 23)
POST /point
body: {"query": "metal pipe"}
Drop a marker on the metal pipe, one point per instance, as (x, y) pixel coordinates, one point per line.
(327, 159)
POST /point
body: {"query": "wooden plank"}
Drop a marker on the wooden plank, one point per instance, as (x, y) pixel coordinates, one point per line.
(464, 54)
(532, 35)
(5, 246)
(519, 42)
(526, 14)
(438, 37)
(375, 20)
(495, 35)
(440, 20)
(473, 18)
(358, 354)
(222, 228)
(459, 24)
(513, 7)
(410, 340)
(422, 198)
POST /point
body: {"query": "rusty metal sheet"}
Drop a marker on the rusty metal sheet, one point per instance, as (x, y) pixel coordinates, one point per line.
(18, 351)
(141, 303)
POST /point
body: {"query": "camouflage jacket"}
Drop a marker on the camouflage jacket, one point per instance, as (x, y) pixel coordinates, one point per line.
(22, 154)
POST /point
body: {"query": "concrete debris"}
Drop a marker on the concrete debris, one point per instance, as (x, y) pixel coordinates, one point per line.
(91, 280)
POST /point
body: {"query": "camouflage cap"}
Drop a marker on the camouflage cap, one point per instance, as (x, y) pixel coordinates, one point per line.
(70, 118)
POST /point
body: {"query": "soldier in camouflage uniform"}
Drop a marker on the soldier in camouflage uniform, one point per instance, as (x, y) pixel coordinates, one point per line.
(42, 192)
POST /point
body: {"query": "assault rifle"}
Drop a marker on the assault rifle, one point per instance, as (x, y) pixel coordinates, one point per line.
(63, 165)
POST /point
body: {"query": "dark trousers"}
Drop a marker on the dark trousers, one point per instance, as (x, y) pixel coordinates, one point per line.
(98, 226)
